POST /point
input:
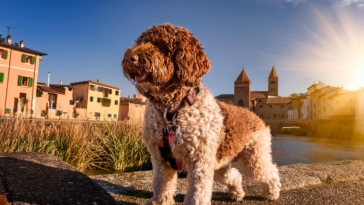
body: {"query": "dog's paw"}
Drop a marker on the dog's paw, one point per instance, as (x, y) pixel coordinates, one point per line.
(236, 194)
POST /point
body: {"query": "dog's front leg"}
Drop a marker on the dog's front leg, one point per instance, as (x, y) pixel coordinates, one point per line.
(200, 179)
(164, 182)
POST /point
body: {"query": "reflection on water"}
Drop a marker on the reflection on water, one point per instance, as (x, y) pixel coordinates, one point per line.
(294, 149)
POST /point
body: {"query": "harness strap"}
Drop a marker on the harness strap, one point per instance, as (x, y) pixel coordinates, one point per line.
(169, 136)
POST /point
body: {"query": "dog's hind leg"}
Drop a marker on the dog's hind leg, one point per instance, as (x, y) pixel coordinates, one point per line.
(164, 183)
(233, 179)
(255, 161)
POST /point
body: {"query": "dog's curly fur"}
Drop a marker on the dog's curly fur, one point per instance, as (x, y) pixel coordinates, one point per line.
(165, 64)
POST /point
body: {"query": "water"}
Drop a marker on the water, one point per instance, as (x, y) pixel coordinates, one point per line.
(298, 149)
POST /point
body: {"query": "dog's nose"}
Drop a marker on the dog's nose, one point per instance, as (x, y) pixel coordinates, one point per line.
(133, 58)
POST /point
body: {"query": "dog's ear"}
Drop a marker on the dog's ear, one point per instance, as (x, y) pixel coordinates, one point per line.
(191, 62)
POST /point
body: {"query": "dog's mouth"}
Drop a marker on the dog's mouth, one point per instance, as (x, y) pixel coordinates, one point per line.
(140, 78)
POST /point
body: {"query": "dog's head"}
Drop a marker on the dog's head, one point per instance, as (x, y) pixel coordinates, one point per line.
(165, 58)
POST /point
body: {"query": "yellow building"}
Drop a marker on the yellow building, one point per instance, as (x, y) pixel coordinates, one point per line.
(18, 78)
(96, 101)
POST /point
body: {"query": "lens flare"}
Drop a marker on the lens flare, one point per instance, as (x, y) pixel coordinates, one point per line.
(330, 49)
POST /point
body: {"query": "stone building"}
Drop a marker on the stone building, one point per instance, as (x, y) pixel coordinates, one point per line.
(268, 105)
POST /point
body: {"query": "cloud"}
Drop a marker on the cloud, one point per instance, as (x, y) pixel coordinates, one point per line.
(295, 2)
(343, 3)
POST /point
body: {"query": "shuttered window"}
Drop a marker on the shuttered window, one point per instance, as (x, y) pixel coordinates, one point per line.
(27, 59)
(3, 54)
(25, 81)
(1, 77)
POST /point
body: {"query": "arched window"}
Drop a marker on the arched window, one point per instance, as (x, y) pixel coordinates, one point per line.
(241, 102)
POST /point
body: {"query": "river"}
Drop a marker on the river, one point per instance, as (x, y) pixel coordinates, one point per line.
(298, 149)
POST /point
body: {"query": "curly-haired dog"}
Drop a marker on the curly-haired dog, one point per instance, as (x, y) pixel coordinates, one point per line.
(166, 65)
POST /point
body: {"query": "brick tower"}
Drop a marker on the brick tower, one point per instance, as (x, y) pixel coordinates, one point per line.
(273, 83)
(242, 88)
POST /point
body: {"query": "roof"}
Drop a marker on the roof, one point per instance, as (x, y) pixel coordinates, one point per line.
(94, 82)
(278, 100)
(273, 73)
(258, 94)
(225, 96)
(242, 77)
(23, 49)
(125, 100)
(51, 89)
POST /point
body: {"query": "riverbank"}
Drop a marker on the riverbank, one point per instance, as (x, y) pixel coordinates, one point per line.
(350, 129)
(33, 178)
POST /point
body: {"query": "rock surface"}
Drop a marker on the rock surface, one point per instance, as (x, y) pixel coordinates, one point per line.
(32, 178)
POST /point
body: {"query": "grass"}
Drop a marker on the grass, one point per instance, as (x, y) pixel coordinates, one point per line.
(85, 145)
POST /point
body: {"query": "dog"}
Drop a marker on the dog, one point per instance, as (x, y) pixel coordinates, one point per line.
(186, 127)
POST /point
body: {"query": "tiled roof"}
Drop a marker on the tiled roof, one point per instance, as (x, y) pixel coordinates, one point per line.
(51, 89)
(23, 49)
(278, 100)
(258, 94)
(125, 100)
(225, 96)
(94, 82)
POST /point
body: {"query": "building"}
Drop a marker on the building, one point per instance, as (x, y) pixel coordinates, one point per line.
(268, 105)
(54, 101)
(132, 108)
(96, 101)
(19, 68)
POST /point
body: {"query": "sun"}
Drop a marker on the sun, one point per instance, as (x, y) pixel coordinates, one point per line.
(330, 49)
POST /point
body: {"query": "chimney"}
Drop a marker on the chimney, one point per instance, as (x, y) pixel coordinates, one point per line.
(60, 82)
(49, 77)
(9, 39)
(22, 43)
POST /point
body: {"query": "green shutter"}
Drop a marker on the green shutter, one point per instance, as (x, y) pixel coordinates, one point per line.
(32, 60)
(30, 82)
(23, 58)
(5, 55)
(20, 80)
(1, 77)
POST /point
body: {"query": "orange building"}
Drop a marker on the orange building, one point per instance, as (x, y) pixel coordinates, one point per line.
(132, 108)
(54, 101)
(18, 76)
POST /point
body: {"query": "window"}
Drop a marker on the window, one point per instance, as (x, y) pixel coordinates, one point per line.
(3, 54)
(241, 102)
(106, 102)
(116, 92)
(52, 100)
(110, 92)
(115, 116)
(1, 77)
(272, 82)
(27, 59)
(98, 100)
(25, 81)
(109, 115)
(116, 102)
(91, 99)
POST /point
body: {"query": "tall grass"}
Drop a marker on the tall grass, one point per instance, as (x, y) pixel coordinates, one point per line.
(85, 145)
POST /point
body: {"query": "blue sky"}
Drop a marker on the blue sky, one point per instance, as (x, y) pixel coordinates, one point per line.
(306, 40)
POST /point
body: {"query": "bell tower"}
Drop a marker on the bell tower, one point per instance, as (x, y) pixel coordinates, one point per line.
(242, 88)
(273, 83)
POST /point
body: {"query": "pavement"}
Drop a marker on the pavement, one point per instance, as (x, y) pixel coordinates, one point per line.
(33, 178)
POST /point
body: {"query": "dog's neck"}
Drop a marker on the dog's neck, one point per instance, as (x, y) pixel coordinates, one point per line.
(169, 98)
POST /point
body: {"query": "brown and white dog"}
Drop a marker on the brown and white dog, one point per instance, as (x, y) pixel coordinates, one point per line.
(166, 65)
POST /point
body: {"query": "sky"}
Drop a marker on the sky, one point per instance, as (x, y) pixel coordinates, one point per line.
(305, 40)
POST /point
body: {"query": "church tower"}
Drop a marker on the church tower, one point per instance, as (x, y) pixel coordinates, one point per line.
(242, 88)
(273, 83)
